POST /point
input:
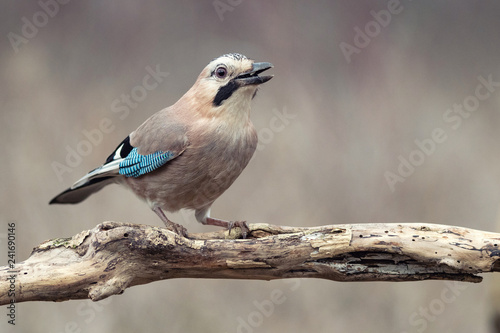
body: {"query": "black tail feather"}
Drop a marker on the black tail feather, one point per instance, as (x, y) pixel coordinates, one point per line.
(73, 196)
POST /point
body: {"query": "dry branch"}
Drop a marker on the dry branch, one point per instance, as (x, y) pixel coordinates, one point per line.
(113, 256)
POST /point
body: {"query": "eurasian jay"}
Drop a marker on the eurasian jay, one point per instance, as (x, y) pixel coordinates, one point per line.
(187, 155)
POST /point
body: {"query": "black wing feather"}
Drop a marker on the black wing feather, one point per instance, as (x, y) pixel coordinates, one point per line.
(126, 148)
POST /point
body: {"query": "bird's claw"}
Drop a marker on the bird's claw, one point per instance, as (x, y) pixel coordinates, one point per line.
(178, 229)
(241, 224)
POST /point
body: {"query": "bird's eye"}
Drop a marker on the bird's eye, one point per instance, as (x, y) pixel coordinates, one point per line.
(221, 72)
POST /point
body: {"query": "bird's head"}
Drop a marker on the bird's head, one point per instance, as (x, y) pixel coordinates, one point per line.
(228, 83)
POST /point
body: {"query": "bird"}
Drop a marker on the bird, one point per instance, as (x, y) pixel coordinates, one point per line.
(187, 155)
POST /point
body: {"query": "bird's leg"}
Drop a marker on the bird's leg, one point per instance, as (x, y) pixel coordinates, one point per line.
(177, 228)
(229, 225)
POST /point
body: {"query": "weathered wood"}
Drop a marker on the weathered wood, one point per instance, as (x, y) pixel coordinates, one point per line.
(113, 256)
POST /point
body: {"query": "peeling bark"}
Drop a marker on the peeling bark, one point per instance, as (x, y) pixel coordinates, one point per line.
(113, 256)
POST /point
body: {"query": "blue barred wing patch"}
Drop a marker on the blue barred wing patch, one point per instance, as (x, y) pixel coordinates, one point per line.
(135, 164)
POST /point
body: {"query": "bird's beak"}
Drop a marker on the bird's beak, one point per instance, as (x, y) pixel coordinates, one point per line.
(252, 76)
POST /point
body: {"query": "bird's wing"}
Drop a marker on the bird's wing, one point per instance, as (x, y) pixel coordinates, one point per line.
(148, 148)
(126, 160)
(157, 141)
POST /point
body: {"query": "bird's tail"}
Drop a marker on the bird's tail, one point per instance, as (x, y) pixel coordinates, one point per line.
(90, 183)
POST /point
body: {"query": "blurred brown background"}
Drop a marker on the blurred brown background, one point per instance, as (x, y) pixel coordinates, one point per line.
(65, 68)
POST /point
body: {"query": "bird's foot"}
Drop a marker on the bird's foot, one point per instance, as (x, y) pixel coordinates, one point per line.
(172, 226)
(177, 228)
(230, 225)
(242, 225)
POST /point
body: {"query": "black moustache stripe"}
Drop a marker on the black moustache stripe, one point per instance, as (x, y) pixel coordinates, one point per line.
(225, 92)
